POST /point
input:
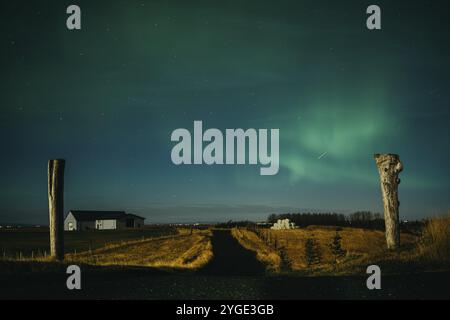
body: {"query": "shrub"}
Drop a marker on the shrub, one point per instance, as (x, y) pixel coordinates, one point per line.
(435, 242)
(336, 247)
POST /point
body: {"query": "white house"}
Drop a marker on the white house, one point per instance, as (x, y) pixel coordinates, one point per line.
(101, 220)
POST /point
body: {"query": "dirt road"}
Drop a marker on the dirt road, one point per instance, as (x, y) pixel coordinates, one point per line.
(230, 258)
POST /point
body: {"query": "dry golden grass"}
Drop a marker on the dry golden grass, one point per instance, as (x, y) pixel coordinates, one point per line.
(185, 251)
(435, 244)
(34, 242)
(357, 242)
(264, 253)
(362, 246)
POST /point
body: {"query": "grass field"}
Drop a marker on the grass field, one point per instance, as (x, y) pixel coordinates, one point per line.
(185, 251)
(160, 247)
(284, 250)
(35, 241)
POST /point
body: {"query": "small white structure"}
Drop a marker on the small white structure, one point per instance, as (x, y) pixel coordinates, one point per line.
(284, 224)
(101, 220)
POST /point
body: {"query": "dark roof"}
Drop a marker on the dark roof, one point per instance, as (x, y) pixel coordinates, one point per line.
(92, 215)
(131, 215)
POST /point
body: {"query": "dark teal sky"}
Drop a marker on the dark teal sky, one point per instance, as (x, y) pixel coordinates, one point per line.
(106, 98)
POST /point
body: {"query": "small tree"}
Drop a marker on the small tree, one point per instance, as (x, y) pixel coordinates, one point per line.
(312, 252)
(336, 247)
(285, 264)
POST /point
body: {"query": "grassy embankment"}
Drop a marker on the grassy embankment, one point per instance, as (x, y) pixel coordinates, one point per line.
(264, 252)
(284, 250)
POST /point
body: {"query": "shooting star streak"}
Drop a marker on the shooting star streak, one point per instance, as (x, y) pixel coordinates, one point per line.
(322, 155)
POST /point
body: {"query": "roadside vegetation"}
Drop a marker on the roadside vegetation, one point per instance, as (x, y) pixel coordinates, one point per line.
(264, 252)
(328, 250)
(435, 241)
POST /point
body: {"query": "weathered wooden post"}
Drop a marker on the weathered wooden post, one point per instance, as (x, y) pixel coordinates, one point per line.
(389, 166)
(56, 207)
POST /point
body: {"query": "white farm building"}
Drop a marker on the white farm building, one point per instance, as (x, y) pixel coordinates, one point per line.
(101, 220)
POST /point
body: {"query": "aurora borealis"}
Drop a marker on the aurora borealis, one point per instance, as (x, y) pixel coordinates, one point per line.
(107, 97)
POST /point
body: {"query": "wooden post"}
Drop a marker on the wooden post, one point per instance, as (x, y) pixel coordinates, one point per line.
(389, 167)
(56, 207)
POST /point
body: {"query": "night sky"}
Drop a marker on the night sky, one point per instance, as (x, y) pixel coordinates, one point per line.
(107, 98)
